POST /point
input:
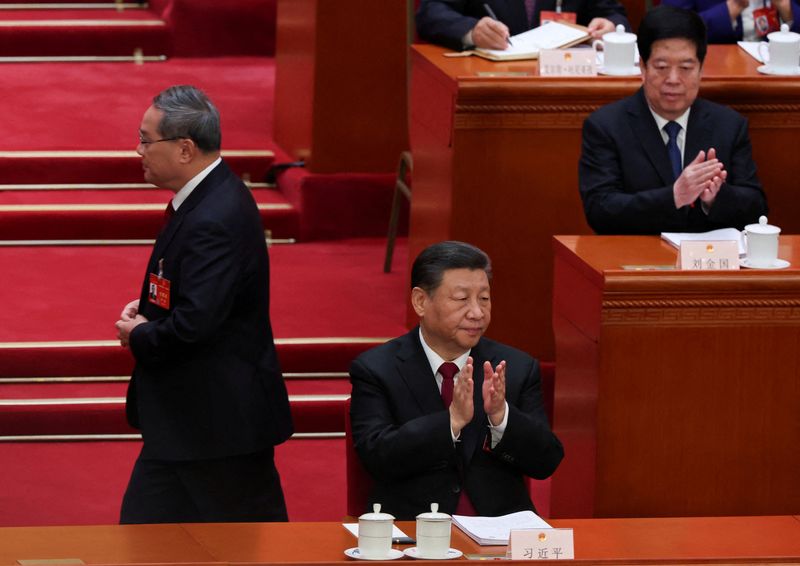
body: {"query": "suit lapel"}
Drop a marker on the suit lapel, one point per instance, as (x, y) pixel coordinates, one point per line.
(211, 180)
(415, 370)
(645, 129)
(698, 133)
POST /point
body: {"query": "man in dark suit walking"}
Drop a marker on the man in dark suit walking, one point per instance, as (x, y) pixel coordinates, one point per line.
(664, 160)
(444, 415)
(207, 390)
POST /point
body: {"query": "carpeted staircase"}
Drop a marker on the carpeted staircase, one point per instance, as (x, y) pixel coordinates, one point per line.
(76, 221)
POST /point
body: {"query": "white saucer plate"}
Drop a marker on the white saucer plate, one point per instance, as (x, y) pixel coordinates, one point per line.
(632, 71)
(394, 554)
(767, 70)
(413, 552)
(779, 264)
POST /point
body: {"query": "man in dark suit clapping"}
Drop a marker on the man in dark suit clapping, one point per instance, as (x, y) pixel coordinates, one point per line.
(444, 415)
(207, 390)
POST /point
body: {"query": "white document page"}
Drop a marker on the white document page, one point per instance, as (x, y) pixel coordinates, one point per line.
(751, 47)
(675, 238)
(496, 530)
(547, 36)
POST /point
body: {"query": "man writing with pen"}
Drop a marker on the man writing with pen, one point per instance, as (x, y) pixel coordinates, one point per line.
(464, 24)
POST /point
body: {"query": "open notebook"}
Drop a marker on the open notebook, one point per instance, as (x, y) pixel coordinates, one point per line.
(526, 45)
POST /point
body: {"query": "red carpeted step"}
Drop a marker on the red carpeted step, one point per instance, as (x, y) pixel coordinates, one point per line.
(83, 32)
(114, 213)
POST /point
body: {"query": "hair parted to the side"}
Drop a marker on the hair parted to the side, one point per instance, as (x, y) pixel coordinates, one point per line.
(669, 22)
(188, 113)
(430, 265)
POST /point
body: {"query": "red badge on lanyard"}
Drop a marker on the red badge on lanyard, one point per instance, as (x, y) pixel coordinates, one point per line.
(158, 291)
(766, 20)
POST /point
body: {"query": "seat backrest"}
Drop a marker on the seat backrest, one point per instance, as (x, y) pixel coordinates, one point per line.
(359, 482)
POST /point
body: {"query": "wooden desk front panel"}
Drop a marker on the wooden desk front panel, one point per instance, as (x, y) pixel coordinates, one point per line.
(497, 165)
(689, 386)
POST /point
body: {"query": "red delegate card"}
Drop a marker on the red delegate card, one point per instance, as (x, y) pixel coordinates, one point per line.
(158, 292)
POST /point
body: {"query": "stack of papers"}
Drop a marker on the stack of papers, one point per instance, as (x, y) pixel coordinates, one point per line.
(723, 234)
(496, 530)
(526, 45)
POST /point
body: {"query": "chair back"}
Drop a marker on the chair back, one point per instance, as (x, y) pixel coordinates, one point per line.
(359, 482)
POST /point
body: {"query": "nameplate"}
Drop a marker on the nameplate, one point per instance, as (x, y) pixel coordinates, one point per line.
(567, 63)
(541, 544)
(709, 255)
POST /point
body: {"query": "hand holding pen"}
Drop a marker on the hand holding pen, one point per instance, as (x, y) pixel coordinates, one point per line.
(490, 32)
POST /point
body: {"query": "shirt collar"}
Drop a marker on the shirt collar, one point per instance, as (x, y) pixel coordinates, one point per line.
(435, 360)
(683, 119)
(187, 189)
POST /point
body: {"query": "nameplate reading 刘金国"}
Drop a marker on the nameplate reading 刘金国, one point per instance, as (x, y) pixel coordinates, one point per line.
(567, 63)
(709, 255)
(541, 544)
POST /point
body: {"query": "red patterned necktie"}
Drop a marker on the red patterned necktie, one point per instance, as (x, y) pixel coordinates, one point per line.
(530, 8)
(448, 371)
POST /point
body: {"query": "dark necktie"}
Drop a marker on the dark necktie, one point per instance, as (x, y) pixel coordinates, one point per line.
(448, 371)
(530, 8)
(672, 129)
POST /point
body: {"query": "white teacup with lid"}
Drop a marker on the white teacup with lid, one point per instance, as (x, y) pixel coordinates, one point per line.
(619, 51)
(433, 533)
(375, 533)
(762, 243)
(784, 51)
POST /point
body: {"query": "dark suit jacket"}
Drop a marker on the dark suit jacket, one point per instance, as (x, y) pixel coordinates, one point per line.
(626, 178)
(445, 22)
(718, 20)
(401, 431)
(207, 383)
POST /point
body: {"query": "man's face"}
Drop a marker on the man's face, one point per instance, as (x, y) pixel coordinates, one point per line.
(671, 76)
(457, 313)
(160, 160)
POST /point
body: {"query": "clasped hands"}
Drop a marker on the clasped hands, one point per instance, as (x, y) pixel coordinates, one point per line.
(129, 319)
(702, 178)
(493, 392)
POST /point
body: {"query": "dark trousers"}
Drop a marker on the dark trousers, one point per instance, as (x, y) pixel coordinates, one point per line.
(244, 488)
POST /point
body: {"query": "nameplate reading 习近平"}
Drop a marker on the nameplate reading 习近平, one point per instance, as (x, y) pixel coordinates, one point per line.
(541, 544)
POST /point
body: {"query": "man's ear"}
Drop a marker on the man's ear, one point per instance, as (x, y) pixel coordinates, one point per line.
(419, 299)
(188, 150)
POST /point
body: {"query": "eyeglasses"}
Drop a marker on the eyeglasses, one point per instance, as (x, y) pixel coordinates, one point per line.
(145, 142)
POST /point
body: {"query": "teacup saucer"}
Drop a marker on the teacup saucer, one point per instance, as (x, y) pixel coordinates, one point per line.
(413, 552)
(631, 71)
(779, 264)
(394, 554)
(767, 70)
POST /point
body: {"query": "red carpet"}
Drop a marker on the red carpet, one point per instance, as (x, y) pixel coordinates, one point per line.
(325, 289)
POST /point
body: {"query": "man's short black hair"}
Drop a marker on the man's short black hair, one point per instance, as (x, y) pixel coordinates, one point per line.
(669, 22)
(430, 265)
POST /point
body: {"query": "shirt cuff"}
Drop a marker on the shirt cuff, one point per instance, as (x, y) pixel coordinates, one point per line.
(497, 431)
(466, 41)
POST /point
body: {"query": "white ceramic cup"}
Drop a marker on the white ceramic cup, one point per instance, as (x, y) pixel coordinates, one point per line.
(784, 51)
(619, 50)
(762, 243)
(433, 533)
(375, 533)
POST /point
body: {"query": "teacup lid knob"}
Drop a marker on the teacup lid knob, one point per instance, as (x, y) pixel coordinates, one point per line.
(376, 507)
(434, 507)
(784, 28)
(621, 28)
(763, 219)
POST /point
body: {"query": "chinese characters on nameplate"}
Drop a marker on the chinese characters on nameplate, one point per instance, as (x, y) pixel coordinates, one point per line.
(567, 63)
(709, 255)
(541, 544)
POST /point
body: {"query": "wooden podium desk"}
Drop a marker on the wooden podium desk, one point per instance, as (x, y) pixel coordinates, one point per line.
(496, 151)
(678, 392)
(719, 540)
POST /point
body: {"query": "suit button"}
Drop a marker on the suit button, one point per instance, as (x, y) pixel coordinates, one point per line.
(456, 489)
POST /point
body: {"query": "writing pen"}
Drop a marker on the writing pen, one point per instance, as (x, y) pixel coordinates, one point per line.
(492, 15)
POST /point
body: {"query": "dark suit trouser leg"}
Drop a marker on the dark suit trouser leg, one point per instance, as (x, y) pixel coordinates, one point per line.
(232, 489)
